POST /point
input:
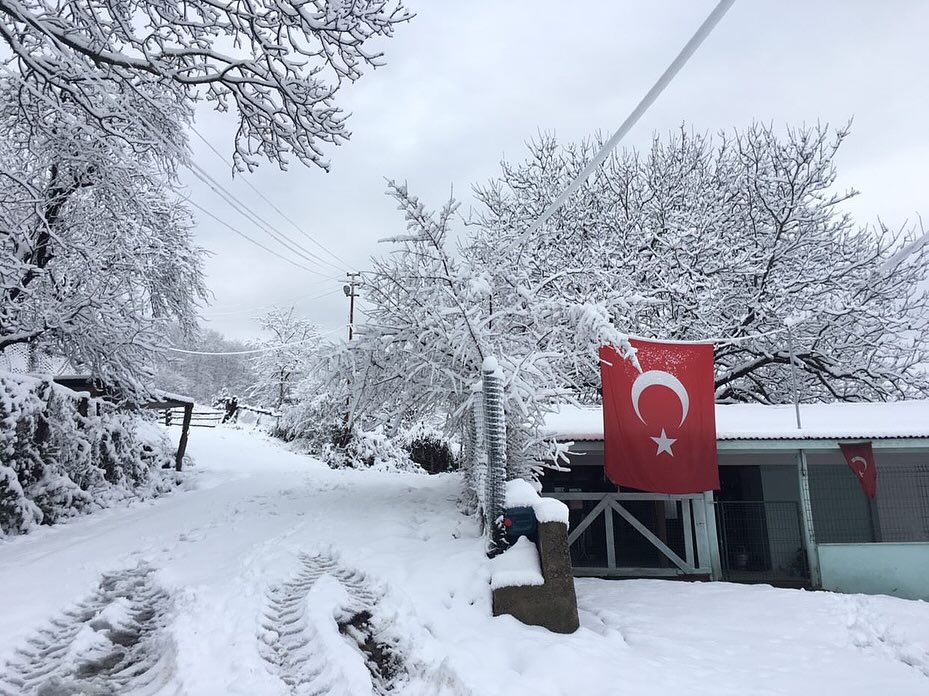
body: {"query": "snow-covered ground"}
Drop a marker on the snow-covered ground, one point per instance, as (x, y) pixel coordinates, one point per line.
(275, 575)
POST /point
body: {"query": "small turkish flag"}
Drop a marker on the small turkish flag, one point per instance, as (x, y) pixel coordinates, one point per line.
(659, 425)
(860, 458)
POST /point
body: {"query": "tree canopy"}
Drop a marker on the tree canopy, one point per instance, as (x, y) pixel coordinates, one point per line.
(277, 63)
(730, 239)
(96, 96)
(96, 255)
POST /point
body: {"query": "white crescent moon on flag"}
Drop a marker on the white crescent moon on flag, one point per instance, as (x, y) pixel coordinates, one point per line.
(864, 463)
(659, 378)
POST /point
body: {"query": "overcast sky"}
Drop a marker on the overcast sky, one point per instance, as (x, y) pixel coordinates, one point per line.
(468, 83)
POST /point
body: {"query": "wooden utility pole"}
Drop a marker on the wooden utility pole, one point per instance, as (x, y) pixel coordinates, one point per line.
(350, 293)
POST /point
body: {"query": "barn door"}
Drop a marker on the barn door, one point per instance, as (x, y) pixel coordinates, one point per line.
(641, 534)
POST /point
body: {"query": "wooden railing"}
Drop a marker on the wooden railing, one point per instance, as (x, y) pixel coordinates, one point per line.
(200, 418)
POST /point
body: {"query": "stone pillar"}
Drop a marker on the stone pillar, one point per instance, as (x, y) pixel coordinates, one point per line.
(553, 604)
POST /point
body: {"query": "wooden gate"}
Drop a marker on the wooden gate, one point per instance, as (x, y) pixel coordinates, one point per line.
(600, 547)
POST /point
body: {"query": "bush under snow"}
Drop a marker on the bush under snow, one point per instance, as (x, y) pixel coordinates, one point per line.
(56, 463)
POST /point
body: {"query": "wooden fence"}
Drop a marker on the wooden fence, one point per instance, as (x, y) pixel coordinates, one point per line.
(200, 418)
(203, 417)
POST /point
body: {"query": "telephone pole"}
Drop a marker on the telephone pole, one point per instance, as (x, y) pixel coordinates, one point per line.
(349, 290)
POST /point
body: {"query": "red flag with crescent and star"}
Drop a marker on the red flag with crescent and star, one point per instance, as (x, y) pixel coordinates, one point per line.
(860, 459)
(659, 423)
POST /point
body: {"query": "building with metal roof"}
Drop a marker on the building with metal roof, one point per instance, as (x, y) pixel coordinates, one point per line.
(789, 510)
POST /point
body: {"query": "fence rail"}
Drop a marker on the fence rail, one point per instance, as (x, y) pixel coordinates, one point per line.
(638, 534)
(198, 419)
(211, 417)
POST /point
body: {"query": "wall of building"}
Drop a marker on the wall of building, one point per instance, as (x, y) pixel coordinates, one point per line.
(899, 570)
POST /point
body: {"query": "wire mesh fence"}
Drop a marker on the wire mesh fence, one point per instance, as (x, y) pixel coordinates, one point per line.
(761, 541)
(484, 458)
(842, 513)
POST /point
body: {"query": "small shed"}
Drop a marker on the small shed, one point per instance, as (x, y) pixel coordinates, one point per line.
(158, 400)
(789, 510)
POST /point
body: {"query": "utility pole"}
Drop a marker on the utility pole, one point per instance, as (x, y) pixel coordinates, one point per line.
(793, 375)
(349, 290)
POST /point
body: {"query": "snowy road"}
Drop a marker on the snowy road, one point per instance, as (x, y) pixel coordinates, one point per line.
(275, 575)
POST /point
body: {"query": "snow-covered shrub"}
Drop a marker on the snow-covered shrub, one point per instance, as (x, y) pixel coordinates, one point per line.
(369, 449)
(17, 513)
(316, 421)
(58, 462)
(317, 424)
(428, 447)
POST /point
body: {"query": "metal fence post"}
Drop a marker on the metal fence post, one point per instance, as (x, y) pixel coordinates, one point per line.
(806, 521)
(712, 535)
(495, 444)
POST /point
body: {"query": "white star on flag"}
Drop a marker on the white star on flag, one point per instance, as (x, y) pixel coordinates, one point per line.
(664, 443)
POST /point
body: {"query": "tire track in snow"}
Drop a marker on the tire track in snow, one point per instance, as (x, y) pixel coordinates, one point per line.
(113, 642)
(328, 607)
(293, 641)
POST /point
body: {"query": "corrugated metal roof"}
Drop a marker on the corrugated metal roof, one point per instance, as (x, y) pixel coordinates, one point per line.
(838, 421)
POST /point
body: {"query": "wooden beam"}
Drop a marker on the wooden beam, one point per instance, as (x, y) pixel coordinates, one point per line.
(908, 444)
(656, 542)
(630, 572)
(585, 523)
(185, 431)
(594, 495)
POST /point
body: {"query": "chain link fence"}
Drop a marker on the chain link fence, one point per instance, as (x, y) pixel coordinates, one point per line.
(484, 455)
(761, 541)
(842, 513)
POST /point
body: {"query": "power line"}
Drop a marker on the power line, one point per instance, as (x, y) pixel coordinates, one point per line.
(254, 351)
(269, 201)
(202, 175)
(271, 305)
(247, 237)
(670, 72)
(238, 308)
(256, 220)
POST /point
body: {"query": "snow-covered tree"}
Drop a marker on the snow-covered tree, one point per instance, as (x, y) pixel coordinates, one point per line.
(96, 256)
(204, 377)
(730, 239)
(276, 63)
(431, 318)
(289, 347)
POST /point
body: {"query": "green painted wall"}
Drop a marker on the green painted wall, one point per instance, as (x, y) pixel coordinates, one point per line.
(900, 570)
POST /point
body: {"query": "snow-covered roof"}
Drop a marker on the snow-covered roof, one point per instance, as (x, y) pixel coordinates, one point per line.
(899, 419)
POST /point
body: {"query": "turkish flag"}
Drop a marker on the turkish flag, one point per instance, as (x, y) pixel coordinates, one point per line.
(860, 458)
(659, 424)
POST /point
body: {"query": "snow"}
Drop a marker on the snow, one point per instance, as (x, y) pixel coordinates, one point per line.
(898, 419)
(490, 366)
(518, 566)
(267, 524)
(521, 493)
